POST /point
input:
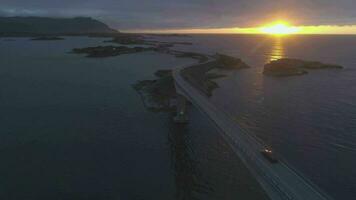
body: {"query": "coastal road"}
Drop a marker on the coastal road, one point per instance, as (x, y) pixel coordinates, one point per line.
(279, 180)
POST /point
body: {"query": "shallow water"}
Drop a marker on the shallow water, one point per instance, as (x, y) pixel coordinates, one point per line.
(310, 120)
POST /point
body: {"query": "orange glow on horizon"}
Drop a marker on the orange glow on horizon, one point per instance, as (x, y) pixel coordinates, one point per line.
(277, 28)
(280, 28)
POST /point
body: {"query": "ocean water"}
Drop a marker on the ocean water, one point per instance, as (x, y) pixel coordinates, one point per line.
(309, 120)
(74, 128)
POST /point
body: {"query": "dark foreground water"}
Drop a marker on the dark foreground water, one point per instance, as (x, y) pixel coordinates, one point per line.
(310, 120)
(72, 128)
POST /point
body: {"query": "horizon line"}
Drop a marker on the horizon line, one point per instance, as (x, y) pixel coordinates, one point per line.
(212, 33)
(304, 30)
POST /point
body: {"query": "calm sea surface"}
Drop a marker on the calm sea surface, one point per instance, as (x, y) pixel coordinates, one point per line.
(73, 128)
(310, 120)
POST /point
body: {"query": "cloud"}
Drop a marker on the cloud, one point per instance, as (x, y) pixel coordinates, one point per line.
(161, 14)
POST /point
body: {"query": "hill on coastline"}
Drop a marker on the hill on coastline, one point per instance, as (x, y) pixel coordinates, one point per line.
(18, 26)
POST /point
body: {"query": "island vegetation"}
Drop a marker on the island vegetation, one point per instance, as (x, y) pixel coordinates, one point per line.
(294, 67)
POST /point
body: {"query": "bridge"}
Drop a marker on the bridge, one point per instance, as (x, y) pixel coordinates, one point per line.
(279, 180)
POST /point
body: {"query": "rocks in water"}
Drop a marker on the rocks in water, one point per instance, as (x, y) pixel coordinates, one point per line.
(198, 56)
(278, 68)
(294, 67)
(141, 45)
(108, 51)
(202, 77)
(157, 94)
(135, 39)
(229, 62)
(45, 38)
(128, 39)
(170, 35)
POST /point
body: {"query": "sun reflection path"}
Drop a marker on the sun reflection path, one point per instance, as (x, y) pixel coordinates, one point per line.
(277, 50)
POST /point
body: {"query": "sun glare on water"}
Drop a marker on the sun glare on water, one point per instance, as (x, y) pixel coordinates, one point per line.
(279, 28)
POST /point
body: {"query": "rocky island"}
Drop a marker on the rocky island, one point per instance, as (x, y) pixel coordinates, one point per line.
(294, 67)
(229, 63)
(128, 39)
(182, 54)
(157, 94)
(109, 51)
(136, 39)
(47, 38)
(202, 77)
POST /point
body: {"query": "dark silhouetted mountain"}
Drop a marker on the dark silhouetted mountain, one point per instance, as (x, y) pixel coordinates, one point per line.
(52, 26)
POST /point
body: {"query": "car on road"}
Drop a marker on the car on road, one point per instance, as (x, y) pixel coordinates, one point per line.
(268, 154)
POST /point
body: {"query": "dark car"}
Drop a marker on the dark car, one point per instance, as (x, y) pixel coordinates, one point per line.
(268, 154)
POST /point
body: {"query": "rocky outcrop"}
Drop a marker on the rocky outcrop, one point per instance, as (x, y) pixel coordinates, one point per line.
(157, 94)
(47, 38)
(229, 62)
(294, 67)
(109, 51)
(202, 77)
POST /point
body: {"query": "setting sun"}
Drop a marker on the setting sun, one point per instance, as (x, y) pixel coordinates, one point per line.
(279, 28)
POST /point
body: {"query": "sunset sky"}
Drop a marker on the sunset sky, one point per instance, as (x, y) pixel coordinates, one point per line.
(199, 16)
